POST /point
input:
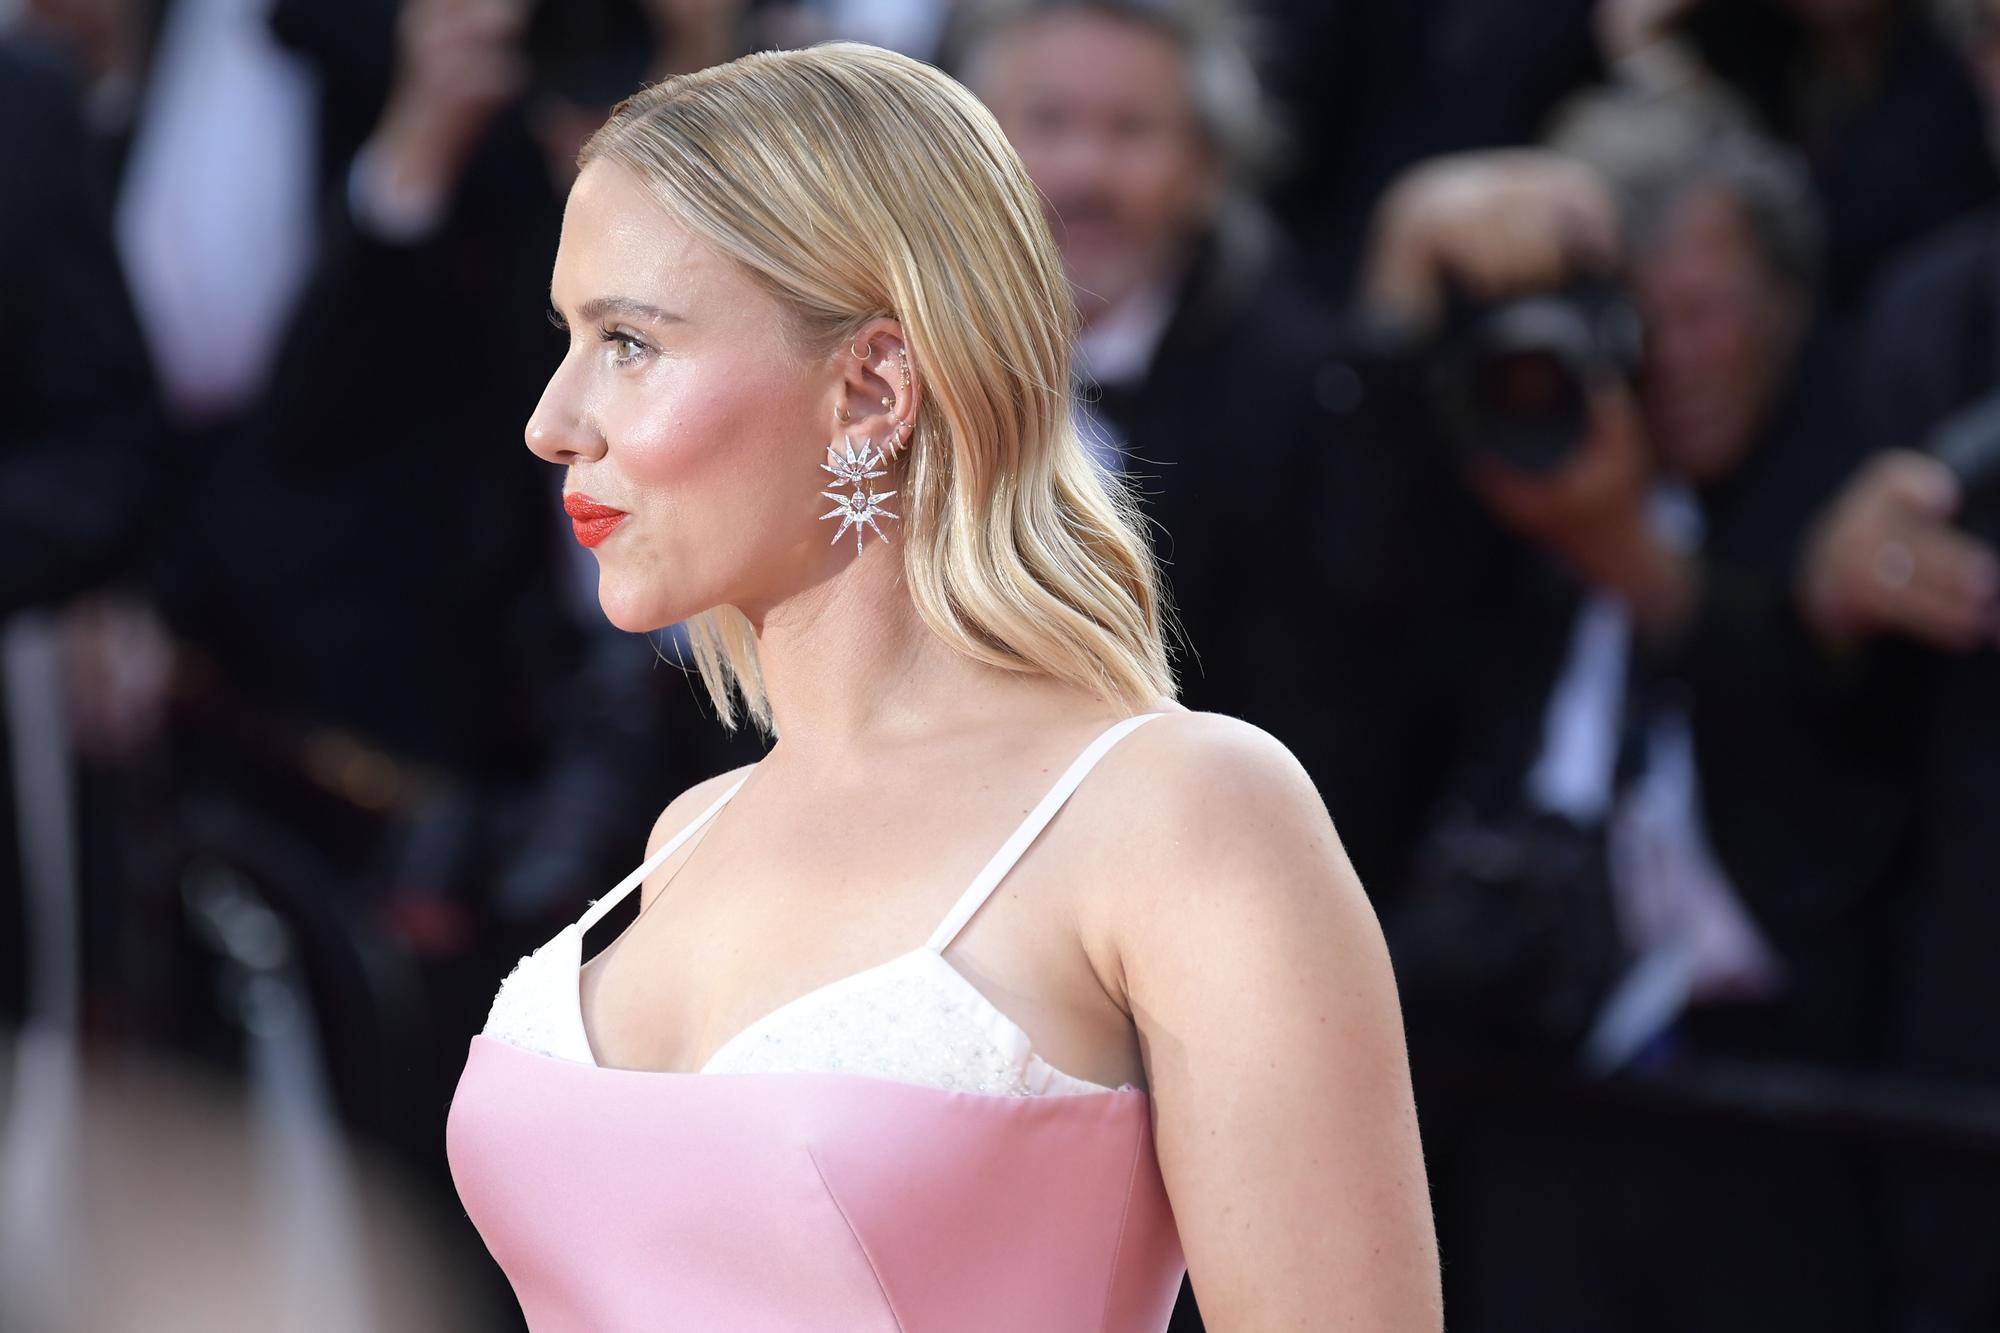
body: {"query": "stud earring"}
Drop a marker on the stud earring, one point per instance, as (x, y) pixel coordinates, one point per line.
(864, 505)
(902, 429)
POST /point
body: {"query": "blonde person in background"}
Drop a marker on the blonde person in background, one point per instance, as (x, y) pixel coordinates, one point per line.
(815, 401)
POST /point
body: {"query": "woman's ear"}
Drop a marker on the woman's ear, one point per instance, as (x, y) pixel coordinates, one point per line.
(879, 388)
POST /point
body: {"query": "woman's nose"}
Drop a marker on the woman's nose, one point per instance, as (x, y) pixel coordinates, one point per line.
(558, 430)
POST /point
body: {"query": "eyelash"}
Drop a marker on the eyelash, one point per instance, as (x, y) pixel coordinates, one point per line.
(629, 359)
(608, 336)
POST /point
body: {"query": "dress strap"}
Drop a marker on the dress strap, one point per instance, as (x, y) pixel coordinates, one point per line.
(1003, 860)
(611, 899)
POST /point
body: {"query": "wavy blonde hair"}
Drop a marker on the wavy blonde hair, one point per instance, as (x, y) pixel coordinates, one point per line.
(852, 183)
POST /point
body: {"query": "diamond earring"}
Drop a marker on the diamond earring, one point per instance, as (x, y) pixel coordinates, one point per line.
(899, 431)
(864, 505)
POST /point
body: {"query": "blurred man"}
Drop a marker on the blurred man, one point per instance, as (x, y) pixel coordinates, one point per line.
(391, 705)
(80, 446)
(1206, 373)
(1907, 566)
(1689, 725)
(79, 454)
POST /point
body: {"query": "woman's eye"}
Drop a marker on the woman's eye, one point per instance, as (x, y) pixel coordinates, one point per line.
(630, 349)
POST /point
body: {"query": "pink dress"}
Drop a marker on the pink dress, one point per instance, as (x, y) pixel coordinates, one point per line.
(883, 1153)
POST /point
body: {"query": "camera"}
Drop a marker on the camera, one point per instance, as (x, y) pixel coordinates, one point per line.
(1513, 379)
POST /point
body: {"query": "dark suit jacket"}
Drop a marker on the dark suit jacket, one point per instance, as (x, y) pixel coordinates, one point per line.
(80, 444)
(1226, 437)
(1802, 770)
(1934, 347)
(370, 546)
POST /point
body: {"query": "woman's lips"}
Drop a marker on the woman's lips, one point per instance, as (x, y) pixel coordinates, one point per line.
(591, 521)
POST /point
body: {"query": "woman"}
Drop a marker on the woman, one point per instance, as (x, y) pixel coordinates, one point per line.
(815, 403)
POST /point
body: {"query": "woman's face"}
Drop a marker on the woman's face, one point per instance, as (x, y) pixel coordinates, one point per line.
(681, 405)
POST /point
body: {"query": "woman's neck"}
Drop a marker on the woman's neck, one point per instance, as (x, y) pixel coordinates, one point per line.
(851, 669)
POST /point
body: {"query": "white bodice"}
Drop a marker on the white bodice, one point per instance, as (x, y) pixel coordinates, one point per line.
(914, 1017)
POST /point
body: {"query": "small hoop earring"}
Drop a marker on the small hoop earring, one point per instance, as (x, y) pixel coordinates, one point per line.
(840, 414)
(862, 355)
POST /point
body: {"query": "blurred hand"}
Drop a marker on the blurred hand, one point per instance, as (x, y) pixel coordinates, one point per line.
(118, 664)
(1585, 502)
(1590, 513)
(1503, 222)
(458, 63)
(1885, 559)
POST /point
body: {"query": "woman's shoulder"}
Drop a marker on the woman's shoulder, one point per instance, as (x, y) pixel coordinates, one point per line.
(685, 808)
(1220, 772)
(1208, 808)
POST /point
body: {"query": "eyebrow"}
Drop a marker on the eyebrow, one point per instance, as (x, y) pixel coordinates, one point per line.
(600, 306)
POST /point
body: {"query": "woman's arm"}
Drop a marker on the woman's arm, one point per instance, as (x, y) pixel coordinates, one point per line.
(1268, 1019)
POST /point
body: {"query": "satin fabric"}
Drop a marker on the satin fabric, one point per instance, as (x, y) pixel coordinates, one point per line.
(628, 1199)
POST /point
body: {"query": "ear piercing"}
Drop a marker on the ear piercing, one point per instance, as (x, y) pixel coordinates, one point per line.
(898, 431)
(864, 505)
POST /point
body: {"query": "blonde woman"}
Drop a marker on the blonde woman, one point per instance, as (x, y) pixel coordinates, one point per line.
(815, 402)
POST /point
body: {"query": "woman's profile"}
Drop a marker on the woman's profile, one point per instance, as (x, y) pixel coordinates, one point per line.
(1008, 990)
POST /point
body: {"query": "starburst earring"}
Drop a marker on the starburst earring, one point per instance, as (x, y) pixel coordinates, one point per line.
(865, 504)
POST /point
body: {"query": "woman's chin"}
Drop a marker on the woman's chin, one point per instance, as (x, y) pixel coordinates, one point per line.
(640, 613)
(634, 615)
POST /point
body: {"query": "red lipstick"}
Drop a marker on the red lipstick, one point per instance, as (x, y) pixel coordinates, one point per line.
(592, 521)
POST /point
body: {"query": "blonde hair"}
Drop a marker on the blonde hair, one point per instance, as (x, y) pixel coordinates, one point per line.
(853, 183)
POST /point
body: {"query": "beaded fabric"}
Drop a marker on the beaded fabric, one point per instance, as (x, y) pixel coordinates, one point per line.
(914, 1018)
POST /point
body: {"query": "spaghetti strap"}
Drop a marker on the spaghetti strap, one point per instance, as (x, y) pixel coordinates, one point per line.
(624, 886)
(1010, 851)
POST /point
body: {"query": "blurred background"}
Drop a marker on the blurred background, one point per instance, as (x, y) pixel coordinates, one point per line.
(1572, 426)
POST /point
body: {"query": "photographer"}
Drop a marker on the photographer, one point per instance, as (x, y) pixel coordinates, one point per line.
(1694, 815)
(390, 717)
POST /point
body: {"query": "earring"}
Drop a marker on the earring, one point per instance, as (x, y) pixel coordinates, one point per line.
(840, 414)
(864, 505)
(901, 429)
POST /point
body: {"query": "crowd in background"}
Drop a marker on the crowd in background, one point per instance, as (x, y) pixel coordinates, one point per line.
(1571, 426)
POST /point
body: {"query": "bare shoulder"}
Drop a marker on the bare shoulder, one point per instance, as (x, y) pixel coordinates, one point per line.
(1218, 831)
(683, 810)
(1221, 808)
(1265, 1004)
